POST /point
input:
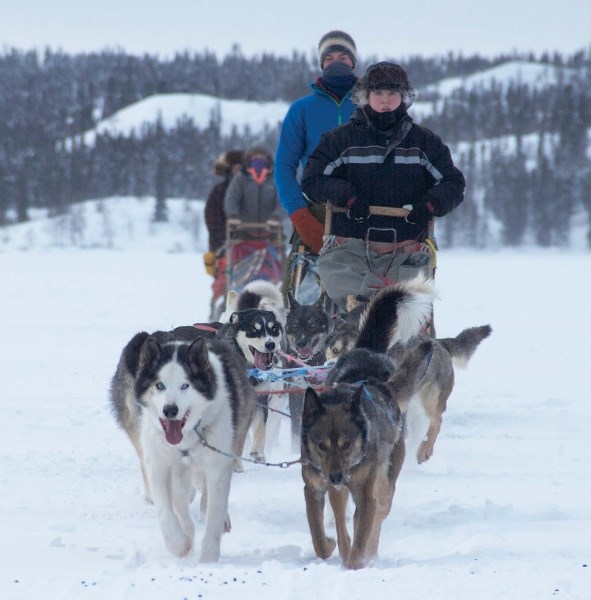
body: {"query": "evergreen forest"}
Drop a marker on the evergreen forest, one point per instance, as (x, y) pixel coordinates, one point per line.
(49, 97)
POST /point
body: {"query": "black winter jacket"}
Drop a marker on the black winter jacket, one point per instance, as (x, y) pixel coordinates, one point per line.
(408, 166)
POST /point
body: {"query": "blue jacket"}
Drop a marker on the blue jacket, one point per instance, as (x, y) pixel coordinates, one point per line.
(306, 120)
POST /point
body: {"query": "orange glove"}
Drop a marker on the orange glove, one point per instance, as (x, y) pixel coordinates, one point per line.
(209, 262)
(309, 228)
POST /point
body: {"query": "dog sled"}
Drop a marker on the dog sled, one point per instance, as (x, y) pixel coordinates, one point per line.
(348, 267)
(252, 251)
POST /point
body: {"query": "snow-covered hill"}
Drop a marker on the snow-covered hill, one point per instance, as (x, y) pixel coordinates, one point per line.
(534, 75)
(202, 109)
(119, 223)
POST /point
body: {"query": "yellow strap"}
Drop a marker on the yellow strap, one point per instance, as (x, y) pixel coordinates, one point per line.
(433, 249)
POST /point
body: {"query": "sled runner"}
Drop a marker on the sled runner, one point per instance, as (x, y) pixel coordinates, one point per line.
(252, 251)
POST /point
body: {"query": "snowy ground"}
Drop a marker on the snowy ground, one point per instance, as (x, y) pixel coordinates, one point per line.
(502, 510)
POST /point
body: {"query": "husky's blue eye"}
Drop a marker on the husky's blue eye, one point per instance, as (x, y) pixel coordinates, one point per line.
(160, 386)
(184, 386)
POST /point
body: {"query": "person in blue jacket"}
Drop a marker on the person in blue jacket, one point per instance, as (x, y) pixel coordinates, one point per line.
(328, 106)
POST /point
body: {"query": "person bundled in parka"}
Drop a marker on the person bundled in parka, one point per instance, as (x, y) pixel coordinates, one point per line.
(252, 196)
(327, 106)
(382, 158)
(226, 166)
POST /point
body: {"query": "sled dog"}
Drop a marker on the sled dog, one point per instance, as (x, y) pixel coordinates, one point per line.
(352, 434)
(306, 330)
(169, 394)
(253, 324)
(437, 382)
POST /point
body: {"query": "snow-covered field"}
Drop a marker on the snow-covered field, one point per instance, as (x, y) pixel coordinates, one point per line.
(502, 510)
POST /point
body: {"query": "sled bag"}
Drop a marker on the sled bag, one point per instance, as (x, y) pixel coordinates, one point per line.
(352, 267)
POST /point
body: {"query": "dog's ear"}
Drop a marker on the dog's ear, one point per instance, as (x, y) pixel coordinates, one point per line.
(354, 404)
(149, 354)
(291, 301)
(231, 300)
(312, 407)
(322, 300)
(198, 355)
(131, 352)
(234, 318)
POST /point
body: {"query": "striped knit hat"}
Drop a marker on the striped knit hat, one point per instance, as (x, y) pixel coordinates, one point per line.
(337, 41)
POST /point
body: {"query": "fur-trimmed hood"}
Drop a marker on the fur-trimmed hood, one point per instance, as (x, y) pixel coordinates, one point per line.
(226, 160)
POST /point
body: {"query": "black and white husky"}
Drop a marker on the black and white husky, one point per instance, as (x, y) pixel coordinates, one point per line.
(254, 324)
(172, 395)
(259, 294)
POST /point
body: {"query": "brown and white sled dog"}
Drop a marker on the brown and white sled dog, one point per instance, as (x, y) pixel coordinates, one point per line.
(352, 434)
(169, 395)
(437, 382)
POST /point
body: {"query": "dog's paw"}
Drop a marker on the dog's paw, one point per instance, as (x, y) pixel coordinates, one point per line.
(210, 552)
(179, 542)
(180, 546)
(424, 453)
(326, 548)
(238, 466)
(257, 457)
(354, 561)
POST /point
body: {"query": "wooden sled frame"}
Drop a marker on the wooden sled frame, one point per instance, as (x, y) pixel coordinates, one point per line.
(381, 211)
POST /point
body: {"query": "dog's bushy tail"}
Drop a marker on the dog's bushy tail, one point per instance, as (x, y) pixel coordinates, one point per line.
(396, 313)
(463, 346)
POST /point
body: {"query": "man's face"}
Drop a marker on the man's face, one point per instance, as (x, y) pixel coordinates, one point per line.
(337, 56)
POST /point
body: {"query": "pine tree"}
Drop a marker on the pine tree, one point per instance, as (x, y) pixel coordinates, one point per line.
(161, 210)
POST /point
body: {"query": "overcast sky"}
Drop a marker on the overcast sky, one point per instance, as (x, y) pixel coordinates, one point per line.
(386, 29)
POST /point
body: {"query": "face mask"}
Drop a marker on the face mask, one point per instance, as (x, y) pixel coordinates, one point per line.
(259, 163)
(259, 168)
(338, 78)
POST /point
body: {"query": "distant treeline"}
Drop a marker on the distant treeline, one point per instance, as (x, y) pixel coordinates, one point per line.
(46, 98)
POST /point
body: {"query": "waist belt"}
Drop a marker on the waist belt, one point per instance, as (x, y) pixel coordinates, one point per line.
(407, 247)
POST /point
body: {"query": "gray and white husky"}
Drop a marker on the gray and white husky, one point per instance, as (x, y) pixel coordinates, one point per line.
(170, 394)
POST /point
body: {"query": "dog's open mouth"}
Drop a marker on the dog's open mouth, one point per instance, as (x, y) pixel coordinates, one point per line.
(173, 429)
(263, 360)
(305, 353)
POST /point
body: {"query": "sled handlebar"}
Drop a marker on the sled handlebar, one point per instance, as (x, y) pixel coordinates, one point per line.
(380, 211)
(241, 225)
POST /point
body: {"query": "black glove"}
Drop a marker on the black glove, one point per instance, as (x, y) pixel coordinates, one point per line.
(357, 210)
(421, 213)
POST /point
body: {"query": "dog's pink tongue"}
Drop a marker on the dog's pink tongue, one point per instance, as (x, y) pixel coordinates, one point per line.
(262, 360)
(173, 432)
